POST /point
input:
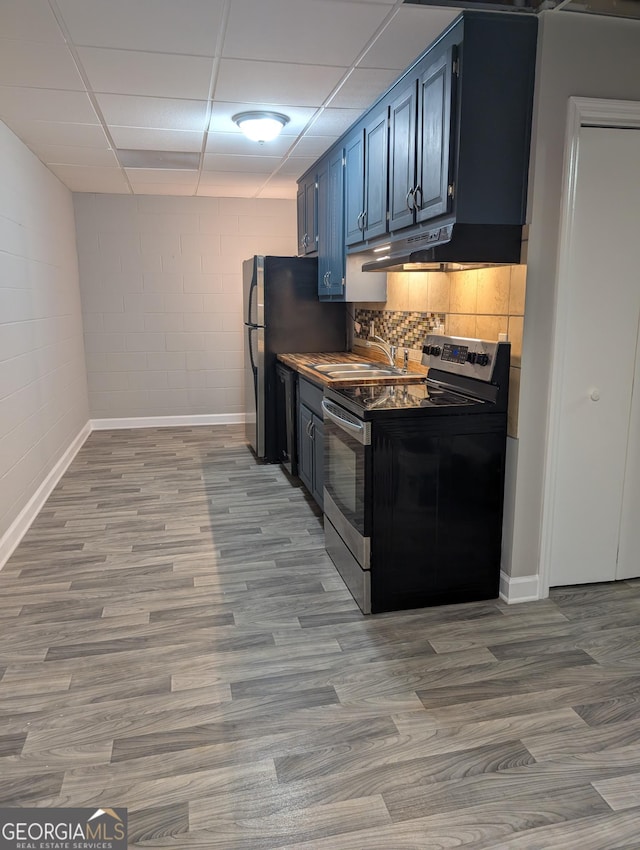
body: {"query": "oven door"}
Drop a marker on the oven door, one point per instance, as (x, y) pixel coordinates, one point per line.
(347, 451)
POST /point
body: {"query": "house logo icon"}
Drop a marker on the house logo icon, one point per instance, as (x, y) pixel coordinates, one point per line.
(111, 812)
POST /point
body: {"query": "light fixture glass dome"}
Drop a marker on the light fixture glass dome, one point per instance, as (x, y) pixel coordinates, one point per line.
(260, 126)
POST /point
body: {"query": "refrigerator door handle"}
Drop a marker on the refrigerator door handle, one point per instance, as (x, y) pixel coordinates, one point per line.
(250, 330)
(252, 290)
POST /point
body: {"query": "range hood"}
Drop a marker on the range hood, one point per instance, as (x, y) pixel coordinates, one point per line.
(447, 248)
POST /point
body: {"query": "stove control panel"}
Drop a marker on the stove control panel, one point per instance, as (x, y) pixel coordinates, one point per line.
(474, 358)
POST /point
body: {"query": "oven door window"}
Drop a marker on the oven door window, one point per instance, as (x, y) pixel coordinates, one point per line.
(345, 478)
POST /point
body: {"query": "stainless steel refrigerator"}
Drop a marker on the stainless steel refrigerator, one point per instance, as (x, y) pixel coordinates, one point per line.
(282, 314)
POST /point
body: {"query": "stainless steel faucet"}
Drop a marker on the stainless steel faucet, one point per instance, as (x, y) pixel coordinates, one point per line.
(383, 345)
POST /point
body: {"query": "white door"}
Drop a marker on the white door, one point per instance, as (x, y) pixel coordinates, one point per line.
(596, 498)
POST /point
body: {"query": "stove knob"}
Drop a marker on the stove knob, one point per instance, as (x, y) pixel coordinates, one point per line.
(482, 359)
(436, 350)
(472, 357)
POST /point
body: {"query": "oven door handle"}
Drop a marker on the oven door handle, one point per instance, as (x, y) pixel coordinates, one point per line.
(359, 430)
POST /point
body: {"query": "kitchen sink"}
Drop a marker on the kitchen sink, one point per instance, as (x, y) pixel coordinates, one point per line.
(328, 368)
(365, 373)
(358, 371)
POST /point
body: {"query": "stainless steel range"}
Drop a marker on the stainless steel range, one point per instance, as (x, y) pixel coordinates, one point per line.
(414, 479)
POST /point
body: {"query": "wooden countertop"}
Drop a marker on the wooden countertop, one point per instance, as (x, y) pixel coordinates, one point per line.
(304, 363)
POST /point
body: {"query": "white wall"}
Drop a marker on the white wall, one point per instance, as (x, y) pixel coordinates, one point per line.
(43, 391)
(578, 55)
(161, 283)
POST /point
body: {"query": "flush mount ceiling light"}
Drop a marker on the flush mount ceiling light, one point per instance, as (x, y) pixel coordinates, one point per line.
(260, 126)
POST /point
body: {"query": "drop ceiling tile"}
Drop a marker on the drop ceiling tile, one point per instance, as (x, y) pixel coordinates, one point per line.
(242, 164)
(162, 175)
(226, 184)
(411, 31)
(78, 178)
(296, 166)
(275, 84)
(363, 87)
(153, 112)
(333, 122)
(227, 178)
(165, 26)
(73, 155)
(137, 138)
(171, 189)
(37, 134)
(313, 146)
(31, 20)
(279, 189)
(24, 104)
(30, 63)
(151, 74)
(312, 32)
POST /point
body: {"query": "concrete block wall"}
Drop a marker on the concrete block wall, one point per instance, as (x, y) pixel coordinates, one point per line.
(43, 390)
(161, 283)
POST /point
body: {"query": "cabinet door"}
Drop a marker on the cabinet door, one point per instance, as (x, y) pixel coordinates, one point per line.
(324, 213)
(435, 115)
(330, 227)
(306, 209)
(310, 216)
(317, 437)
(302, 230)
(402, 159)
(375, 176)
(354, 188)
(305, 447)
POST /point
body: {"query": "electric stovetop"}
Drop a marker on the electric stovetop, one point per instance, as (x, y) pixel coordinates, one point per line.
(367, 400)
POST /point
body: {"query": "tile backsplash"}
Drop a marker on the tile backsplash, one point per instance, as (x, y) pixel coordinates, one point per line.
(480, 303)
(406, 329)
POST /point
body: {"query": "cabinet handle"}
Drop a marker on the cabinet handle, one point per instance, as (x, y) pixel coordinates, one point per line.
(361, 221)
(327, 282)
(417, 197)
(312, 430)
(410, 197)
(308, 427)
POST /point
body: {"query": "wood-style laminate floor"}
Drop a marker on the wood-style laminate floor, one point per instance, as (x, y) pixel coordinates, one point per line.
(173, 639)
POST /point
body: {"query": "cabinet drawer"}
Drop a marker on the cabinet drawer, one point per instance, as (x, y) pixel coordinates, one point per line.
(311, 395)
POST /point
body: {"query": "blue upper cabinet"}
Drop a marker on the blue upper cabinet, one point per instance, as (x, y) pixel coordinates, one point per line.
(402, 158)
(307, 215)
(331, 250)
(376, 140)
(354, 187)
(434, 190)
(366, 162)
(421, 184)
(447, 147)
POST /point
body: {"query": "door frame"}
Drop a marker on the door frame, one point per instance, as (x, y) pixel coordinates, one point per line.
(581, 112)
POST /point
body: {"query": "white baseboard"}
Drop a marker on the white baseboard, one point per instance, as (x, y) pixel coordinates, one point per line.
(520, 588)
(168, 421)
(21, 523)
